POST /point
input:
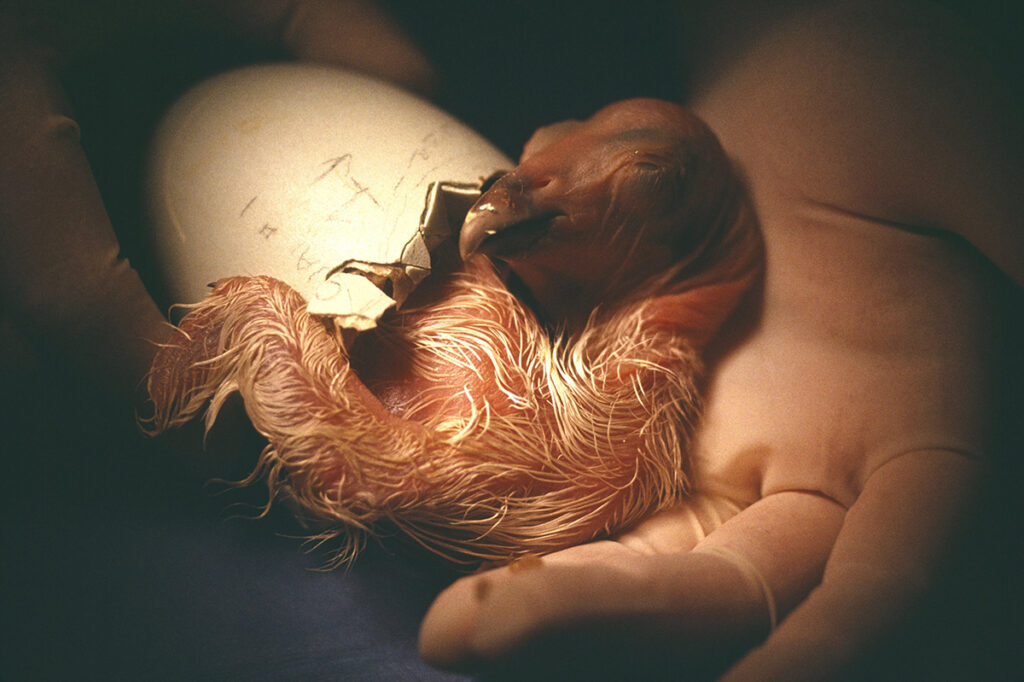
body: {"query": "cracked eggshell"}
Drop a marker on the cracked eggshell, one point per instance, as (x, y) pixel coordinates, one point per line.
(290, 170)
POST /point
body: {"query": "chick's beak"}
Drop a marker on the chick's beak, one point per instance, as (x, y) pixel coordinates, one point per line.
(505, 221)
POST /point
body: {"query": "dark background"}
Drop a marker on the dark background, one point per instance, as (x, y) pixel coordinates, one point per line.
(117, 565)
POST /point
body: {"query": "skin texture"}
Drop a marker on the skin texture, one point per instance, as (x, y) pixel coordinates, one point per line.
(639, 189)
(462, 420)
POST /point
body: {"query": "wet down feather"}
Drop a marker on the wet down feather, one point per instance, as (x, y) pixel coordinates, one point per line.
(541, 393)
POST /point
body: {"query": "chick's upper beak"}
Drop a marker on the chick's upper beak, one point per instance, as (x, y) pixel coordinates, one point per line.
(504, 221)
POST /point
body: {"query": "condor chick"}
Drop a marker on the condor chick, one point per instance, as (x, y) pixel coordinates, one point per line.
(540, 395)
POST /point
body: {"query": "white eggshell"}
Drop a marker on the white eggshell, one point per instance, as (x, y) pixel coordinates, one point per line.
(289, 170)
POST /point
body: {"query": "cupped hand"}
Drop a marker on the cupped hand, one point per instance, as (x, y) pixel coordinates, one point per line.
(662, 599)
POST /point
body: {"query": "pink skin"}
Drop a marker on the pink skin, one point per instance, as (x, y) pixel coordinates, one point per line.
(607, 204)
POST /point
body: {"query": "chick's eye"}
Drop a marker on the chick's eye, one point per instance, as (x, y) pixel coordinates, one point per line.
(656, 181)
(646, 167)
(649, 174)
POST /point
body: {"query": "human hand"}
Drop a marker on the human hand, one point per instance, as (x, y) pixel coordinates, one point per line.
(661, 601)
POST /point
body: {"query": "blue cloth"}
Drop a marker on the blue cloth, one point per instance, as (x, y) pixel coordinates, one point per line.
(115, 567)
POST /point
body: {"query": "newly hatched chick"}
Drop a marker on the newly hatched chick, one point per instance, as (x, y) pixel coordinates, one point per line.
(539, 395)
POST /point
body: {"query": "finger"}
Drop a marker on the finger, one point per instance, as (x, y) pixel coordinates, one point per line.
(612, 605)
(353, 33)
(61, 278)
(885, 559)
(597, 611)
(780, 543)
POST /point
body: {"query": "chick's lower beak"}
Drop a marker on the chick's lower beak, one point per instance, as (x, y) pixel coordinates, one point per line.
(504, 221)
